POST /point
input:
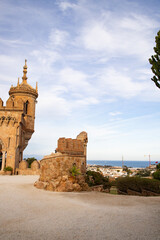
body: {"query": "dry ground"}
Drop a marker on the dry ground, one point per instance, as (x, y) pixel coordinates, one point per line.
(30, 213)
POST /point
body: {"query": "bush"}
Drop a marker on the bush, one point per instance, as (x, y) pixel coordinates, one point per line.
(138, 184)
(143, 173)
(126, 169)
(96, 178)
(8, 169)
(158, 166)
(156, 175)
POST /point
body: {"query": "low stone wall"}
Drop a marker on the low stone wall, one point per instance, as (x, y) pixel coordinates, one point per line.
(27, 171)
(135, 193)
(24, 170)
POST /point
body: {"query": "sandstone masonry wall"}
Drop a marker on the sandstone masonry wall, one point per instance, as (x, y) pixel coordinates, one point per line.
(55, 169)
(24, 170)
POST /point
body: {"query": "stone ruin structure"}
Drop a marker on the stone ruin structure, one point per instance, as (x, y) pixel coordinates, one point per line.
(25, 170)
(17, 122)
(55, 169)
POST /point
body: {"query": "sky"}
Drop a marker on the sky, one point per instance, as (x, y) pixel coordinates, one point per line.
(90, 59)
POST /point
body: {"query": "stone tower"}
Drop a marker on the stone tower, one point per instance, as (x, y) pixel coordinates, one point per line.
(17, 122)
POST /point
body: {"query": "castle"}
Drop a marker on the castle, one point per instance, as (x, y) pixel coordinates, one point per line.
(17, 122)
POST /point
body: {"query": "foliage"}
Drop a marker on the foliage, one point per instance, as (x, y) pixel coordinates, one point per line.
(96, 178)
(113, 183)
(8, 169)
(156, 175)
(30, 160)
(74, 171)
(155, 61)
(138, 184)
(158, 166)
(143, 173)
(126, 169)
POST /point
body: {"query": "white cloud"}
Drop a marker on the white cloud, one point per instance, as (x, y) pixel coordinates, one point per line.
(115, 113)
(138, 23)
(45, 58)
(86, 101)
(73, 78)
(119, 35)
(10, 69)
(144, 73)
(51, 105)
(120, 84)
(13, 42)
(97, 37)
(67, 5)
(58, 37)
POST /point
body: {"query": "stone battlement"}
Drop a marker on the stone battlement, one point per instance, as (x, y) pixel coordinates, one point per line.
(70, 146)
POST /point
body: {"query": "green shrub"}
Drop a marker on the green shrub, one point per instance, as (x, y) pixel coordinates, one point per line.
(8, 169)
(138, 184)
(143, 173)
(126, 169)
(96, 178)
(74, 171)
(158, 166)
(156, 175)
(113, 183)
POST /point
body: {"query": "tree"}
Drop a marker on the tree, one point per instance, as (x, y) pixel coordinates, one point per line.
(158, 166)
(156, 175)
(30, 160)
(155, 61)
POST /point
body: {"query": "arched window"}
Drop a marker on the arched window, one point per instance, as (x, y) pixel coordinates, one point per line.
(26, 107)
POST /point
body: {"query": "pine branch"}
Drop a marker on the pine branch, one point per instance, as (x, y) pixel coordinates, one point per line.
(155, 62)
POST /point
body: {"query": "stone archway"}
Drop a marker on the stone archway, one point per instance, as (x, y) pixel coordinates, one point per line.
(2, 156)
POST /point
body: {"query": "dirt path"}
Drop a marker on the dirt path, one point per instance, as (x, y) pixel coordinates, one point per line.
(30, 213)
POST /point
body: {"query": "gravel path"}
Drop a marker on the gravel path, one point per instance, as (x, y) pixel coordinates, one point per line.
(29, 213)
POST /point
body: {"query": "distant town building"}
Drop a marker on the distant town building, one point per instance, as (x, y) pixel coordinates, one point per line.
(17, 122)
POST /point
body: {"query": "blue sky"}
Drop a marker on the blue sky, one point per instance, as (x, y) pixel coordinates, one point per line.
(90, 59)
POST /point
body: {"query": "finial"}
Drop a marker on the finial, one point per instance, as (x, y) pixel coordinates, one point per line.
(36, 86)
(25, 72)
(18, 83)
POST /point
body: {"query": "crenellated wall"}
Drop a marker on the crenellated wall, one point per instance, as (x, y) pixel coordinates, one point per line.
(24, 170)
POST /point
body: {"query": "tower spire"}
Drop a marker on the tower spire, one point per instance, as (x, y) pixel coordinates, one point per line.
(18, 83)
(37, 87)
(25, 72)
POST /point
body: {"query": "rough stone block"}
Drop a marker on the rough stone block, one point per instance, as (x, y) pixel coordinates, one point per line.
(23, 165)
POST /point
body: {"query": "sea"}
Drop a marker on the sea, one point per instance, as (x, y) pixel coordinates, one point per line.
(118, 163)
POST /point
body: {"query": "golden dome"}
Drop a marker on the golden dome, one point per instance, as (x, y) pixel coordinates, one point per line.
(24, 87)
